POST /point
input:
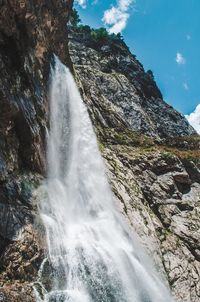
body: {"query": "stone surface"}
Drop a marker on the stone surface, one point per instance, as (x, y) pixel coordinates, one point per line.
(113, 79)
(165, 217)
(155, 179)
(30, 32)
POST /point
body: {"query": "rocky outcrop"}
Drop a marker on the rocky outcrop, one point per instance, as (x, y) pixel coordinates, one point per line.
(113, 79)
(30, 32)
(161, 199)
(155, 177)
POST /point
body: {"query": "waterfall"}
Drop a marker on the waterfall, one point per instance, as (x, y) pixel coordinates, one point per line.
(91, 255)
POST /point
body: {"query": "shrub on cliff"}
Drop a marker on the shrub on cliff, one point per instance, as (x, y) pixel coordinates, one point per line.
(74, 19)
(150, 73)
(100, 34)
(84, 28)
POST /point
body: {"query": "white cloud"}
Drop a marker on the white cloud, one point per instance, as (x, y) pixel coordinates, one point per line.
(194, 119)
(185, 86)
(117, 16)
(82, 3)
(180, 59)
(188, 37)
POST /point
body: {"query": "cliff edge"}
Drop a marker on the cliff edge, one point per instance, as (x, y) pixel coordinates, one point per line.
(151, 152)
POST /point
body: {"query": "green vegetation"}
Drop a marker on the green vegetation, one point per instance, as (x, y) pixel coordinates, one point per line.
(184, 142)
(150, 73)
(127, 137)
(74, 18)
(97, 35)
(101, 147)
(185, 148)
(84, 28)
(191, 155)
(167, 155)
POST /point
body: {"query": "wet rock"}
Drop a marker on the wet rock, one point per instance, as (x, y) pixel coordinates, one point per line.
(30, 32)
(3, 170)
(165, 218)
(34, 32)
(19, 263)
(156, 188)
(12, 220)
(16, 292)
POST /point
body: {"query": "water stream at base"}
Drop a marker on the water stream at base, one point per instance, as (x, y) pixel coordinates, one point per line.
(91, 255)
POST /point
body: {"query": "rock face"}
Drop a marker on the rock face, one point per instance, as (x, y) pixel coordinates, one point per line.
(112, 76)
(30, 32)
(155, 177)
(160, 198)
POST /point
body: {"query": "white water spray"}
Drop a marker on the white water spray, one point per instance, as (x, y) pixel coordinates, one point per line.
(91, 257)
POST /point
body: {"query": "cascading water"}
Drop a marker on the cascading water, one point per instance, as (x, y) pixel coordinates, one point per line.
(91, 256)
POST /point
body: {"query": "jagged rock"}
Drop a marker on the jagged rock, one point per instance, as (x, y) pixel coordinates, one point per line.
(29, 35)
(30, 32)
(111, 77)
(20, 261)
(155, 181)
(17, 292)
(165, 218)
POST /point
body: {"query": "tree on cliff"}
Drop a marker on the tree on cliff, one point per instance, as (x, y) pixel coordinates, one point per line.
(74, 18)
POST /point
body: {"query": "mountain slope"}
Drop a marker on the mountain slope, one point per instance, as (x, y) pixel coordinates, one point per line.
(151, 153)
(115, 78)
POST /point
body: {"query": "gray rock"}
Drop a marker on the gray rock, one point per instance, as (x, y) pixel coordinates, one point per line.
(111, 75)
(156, 190)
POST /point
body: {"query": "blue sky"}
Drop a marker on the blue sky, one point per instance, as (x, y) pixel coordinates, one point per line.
(164, 35)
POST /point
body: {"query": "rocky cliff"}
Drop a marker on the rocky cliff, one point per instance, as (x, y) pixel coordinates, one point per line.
(30, 32)
(114, 79)
(152, 156)
(151, 152)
